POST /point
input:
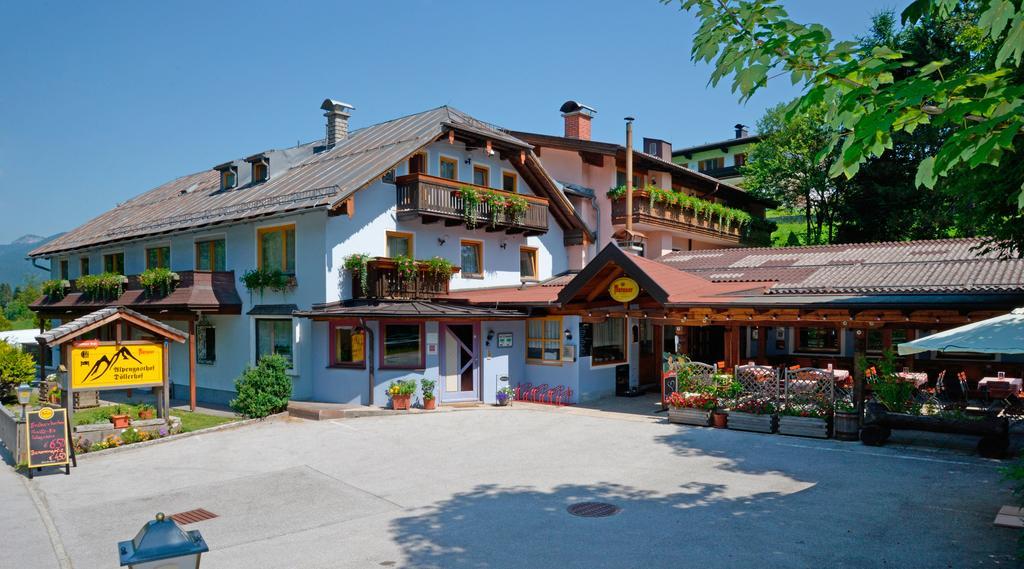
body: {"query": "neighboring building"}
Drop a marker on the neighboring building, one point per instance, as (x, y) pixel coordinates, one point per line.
(720, 159)
(593, 175)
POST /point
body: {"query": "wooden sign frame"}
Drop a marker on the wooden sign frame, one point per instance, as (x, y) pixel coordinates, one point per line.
(69, 456)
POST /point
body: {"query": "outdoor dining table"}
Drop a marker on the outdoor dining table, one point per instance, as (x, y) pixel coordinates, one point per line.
(919, 378)
(1016, 382)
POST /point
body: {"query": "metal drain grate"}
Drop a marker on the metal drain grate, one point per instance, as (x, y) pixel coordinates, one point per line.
(593, 509)
(193, 516)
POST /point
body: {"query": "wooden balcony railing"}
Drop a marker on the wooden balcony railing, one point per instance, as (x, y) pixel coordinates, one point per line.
(438, 199)
(384, 281)
(674, 217)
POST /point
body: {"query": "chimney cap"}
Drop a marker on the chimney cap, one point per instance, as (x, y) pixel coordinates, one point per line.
(336, 106)
(739, 125)
(570, 106)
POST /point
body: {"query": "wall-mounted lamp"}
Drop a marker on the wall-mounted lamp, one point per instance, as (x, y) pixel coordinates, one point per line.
(504, 244)
(568, 335)
(442, 239)
(490, 336)
(469, 160)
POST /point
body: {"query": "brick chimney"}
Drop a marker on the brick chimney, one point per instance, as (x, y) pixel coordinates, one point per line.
(741, 130)
(337, 120)
(577, 119)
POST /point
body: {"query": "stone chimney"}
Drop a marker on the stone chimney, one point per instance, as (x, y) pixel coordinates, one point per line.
(741, 131)
(337, 120)
(577, 119)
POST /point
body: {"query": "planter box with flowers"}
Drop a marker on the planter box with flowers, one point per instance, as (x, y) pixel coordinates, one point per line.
(757, 415)
(805, 421)
(401, 393)
(691, 408)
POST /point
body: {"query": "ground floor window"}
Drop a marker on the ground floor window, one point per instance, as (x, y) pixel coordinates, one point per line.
(544, 339)
(274, 336)
(823, 340)
(206, 345)
(403, 346)
(349, 346)
(609, 341)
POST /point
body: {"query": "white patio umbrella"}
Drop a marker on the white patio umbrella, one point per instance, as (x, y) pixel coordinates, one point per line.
(1000, 335)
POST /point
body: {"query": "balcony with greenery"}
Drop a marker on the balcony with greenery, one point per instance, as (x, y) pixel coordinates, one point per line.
(433, 199)
(399, 278)
(670, 210)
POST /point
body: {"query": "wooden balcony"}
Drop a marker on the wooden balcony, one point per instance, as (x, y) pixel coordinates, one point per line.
(435, 199)
(670, 217)
(384, 281)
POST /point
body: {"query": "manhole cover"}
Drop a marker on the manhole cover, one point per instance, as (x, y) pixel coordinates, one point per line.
(193, 516)
(593, 510)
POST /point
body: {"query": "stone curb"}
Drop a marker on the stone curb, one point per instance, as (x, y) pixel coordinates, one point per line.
(179, 436)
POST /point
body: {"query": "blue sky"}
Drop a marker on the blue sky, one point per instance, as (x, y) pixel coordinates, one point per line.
(103, 100)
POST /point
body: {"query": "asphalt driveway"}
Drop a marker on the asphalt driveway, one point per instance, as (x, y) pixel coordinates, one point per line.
(489, 488)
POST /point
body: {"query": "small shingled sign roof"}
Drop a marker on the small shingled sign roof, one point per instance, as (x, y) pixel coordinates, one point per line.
(78, 326)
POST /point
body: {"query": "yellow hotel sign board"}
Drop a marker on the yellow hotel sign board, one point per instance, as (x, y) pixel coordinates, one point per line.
(110, 366)
(624, 289)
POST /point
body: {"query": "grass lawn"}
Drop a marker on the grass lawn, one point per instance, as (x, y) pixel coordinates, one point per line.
(189, 421)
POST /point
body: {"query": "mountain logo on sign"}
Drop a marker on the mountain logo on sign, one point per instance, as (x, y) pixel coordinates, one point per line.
(104, 364)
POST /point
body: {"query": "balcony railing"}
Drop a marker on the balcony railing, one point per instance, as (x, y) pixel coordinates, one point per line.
(674, 217)
(438, 199)
(383, 280)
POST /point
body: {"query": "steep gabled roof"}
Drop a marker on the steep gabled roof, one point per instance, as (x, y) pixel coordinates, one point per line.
(319, 180)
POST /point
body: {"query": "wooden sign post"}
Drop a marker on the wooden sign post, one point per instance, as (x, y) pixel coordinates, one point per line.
(47, 435)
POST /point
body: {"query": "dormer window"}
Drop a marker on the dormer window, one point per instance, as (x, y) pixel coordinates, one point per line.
(259, 162)
(228, 175)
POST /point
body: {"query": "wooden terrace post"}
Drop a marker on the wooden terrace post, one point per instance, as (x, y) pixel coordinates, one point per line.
(192, 362)
(860, 339)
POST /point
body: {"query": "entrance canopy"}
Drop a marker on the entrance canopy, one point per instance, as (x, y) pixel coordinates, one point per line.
(1000, 335)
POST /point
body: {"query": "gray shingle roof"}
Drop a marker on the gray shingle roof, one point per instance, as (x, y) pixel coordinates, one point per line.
(939, 266)
(62, 331)
(319, 180)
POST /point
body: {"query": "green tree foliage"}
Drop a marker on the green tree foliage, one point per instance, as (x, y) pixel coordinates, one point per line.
(264, 389)
(6, 294)
(785, 166)
(16, 367)
(874, 91)
(17, 311)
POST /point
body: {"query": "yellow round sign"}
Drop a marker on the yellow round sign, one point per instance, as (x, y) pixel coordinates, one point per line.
(46, 413)
(624, 289)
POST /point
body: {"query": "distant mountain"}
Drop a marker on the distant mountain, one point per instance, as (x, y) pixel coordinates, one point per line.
(14, 269)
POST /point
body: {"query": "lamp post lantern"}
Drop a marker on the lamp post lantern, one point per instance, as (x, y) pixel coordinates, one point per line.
(161, 544)
(24, 396)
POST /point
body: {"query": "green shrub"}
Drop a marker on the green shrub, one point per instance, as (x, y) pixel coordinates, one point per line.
(264, 389)
(16, 367)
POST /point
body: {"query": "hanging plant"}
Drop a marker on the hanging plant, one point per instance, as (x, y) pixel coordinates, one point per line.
(406, 267)
(470, 200)
(158, 282)
(515, 208)
(55, 289)
(439, 268)
(356, 264)
(495, 205)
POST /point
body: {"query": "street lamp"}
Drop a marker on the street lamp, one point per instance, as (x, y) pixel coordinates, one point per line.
(24, 396)
(161, 544)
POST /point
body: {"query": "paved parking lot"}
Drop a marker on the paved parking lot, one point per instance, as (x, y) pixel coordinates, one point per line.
(489, 488)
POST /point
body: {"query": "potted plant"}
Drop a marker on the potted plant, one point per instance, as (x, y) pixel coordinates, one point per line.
(752, 414)
(427, 388)
(401, 392)
(691, 408)
(725, 390)
(847, 421)
(53, 395)
(119, 418)
(805, 419)
(504, 396)
(146, 411)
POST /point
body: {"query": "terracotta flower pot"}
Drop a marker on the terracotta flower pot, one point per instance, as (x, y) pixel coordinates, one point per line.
(720, 420)
(145, 414)
(400, 402)
(430, 404)
(120, 421)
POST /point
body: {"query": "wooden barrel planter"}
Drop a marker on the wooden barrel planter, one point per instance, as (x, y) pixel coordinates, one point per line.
(846, 425)
(879, 423)
(689, 416)
(750, 422)
(815, 427)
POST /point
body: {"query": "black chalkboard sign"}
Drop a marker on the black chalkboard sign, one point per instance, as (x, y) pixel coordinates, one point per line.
(586, 339)
(47, 433)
